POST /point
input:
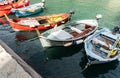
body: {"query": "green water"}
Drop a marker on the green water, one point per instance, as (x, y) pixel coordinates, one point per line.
(67, 62)
(86, 9)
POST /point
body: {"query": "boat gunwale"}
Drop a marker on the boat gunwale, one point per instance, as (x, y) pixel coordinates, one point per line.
(48, 16)
(69, 40)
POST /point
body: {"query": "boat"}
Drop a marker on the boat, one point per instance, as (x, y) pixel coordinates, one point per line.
(6, 8)
(39, 22)
(70, 34)
(5, 2)
(29, 10)
(102, 47)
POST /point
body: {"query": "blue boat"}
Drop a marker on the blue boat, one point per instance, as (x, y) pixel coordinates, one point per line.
(29, 10)
(103, 46)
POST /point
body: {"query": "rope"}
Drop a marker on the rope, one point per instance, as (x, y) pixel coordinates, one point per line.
(86, 66)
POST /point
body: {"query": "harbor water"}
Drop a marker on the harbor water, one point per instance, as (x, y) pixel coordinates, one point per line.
(65, 62)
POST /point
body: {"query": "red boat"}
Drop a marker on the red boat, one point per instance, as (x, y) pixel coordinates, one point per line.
(6, 8)
(5, 2)
(39, 22)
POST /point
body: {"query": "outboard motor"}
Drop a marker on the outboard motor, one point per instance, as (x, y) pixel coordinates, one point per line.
(71, 12)
(43, 1)
(116, 29)
(98, 16)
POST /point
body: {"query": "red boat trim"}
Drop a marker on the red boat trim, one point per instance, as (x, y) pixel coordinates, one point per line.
(20, 27)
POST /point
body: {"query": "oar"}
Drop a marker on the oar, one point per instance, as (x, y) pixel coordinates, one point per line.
(54, 28)
(6, 17)
(38, 33)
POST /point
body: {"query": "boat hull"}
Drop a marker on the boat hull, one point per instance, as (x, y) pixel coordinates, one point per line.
(6, 9)
(19, 27)
(100, 56)
(27, 13)
(29, 10)
(49, 43)
(93, 61)
(4, 12)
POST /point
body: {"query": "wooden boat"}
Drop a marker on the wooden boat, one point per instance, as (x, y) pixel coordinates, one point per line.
(29, 10)
(70, 34)
(6, 9)
(102, 47)
(39, 22)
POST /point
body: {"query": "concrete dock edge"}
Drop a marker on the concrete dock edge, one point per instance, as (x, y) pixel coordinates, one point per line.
(20, 61)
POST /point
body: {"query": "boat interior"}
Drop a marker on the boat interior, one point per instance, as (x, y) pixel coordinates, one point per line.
(79, 31)
(104, 46)
(38, 21)
(70, 32)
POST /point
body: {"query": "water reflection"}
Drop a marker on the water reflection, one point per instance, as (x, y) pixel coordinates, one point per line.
(63, 62)
(56, 58)
(99, 69)
(25, 35)
(59, 52)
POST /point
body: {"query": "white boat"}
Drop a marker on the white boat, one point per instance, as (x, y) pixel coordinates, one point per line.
(70, 34)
